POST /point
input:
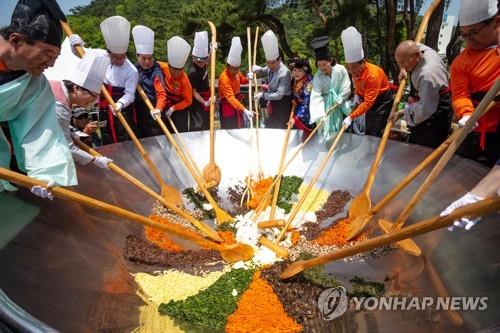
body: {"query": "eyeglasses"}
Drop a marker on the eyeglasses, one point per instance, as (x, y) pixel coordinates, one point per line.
(474, 32)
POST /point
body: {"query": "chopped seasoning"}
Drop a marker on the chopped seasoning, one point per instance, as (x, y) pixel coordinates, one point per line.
(260, 310)
(211, 307)
(310, 230)
(337, 233)
(317, 275)
(172, 285)
(150, 321)
(295, 237)
(160, 238)
(289, 187)
(257, 191)
(334, 205)
(227, 237)
(235, 193)
(199, 201)
(227, 226)
(365, 288)
(314, 200)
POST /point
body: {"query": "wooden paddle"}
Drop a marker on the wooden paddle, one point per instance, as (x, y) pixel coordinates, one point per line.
(260, 173)
(262, 204)
(357, 225)
(119, 171)
(171, 194)
(211, 172)
(480, 208)
(276, 189)
(361, 204)
(302, 199)
(230, 253)
(486, 104)
(220, 215)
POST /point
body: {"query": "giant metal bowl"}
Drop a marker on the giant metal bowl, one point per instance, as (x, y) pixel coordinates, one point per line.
(62, 264)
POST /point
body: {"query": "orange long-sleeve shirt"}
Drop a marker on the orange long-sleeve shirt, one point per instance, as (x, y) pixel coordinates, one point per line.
(369, 85)
(180, 88)
(229, 87)
(161, 94)
(471, 72)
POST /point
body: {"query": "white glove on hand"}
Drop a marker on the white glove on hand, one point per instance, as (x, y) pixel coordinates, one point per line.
(256, 68)
(249, 114)
(207, 103)
(258, 96)
(463, 121)
(466, 223)
(250, 76)
(169, 112)
(102, 162)
(119, 107)
(75, 40)
(154, 113)
(347, 121)
(43, 192)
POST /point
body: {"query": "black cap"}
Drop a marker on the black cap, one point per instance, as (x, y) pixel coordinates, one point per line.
(320, 46)
(39, 19)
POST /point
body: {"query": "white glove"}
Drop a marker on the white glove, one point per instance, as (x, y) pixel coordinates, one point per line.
(466, 223)
(169, 112)
(75, 40)
(207, 102)
(43, 192)
(154, 113)
(249, 114)
(250, 76)
(463, 121)
(256, 68)
(102, 162)
(258, 96)
(119, 107)
(347, 121)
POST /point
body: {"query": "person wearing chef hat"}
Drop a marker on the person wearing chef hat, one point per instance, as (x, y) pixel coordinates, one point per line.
(121, 78)
(152, 82)
(80, 88)
(30, 44)
(370, 83)
(229, 89)
(279, 83)
(179, 90)
(198, 76)
(331, 86)
(472, 73)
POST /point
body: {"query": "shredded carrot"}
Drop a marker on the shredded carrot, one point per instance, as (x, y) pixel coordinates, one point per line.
(159, 237)
(260, 311)
(337, 235)
(295, 237)
(227, 237)
(257, 191)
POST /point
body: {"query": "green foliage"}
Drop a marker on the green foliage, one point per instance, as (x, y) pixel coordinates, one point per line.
(211, 307)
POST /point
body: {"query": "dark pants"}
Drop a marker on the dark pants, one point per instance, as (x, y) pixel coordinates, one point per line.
(280, 114)
(471, 148)
(434, 130)
(146, 125)
(121, 133)
(229, 122)
(199, 118)
(376, 116)
(180, 119)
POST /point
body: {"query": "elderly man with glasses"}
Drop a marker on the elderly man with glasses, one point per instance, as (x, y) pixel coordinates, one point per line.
(472, 73)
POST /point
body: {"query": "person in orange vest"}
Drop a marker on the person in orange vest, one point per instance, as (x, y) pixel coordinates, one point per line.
(198, 76)
(152, 82)
(179, 90)
(229, 89)
(370, 83)
(472, 73)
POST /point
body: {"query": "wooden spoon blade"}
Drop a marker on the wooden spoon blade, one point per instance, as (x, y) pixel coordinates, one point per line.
(357, 225)
(407, 245)
(222, 216)
(360, 205)
(294, 269)
(172, 195)
(236, 252)
(212, 175)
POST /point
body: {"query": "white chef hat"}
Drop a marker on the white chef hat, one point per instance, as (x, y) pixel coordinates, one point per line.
(353, 45)
(475, 11)
(116, 33)
(90, 71)
(270, 45)
(200, 47)
(177, 52)
(144, 39)
(234, 56)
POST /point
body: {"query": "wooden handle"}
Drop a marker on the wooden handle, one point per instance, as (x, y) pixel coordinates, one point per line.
(486, 104)
(302, 199)
(134, 181)
(412, 175)
(480, 208)
(249, 44)
(281, 252)
(212, 90)
(63, 193)
(271, 224)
